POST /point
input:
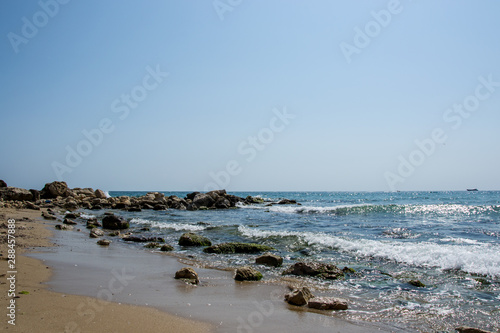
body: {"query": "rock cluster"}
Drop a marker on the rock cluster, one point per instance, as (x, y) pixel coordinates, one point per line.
(303, 296)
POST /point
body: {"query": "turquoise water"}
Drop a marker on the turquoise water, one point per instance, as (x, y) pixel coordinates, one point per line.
(450, 241)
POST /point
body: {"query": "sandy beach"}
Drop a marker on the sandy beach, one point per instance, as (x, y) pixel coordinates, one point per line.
(41, 310)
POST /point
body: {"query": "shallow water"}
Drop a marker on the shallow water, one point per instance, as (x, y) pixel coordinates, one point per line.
(447, 240)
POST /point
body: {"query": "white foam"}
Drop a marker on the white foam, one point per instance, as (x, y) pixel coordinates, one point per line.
(165, 225)
(87, 216)
(106, 193)
(299, 209)
(475, 258)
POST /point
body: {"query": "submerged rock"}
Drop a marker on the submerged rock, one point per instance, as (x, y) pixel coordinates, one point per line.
(269, 259)
(299, 297)
(189, 274)
(416, 283)
(191, 239)
(167, 248)
(226, 248)
(247, 273)
(315, 269)
(142, 239)
(327, 303)
(152, 245)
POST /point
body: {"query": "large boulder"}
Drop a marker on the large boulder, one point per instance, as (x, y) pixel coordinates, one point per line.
(15, 194)
(35, 194)
(54, 190)
(114, 222)
(100, 194)
(191, 239)
(247, 273)
(188, 274)
(327, 303)
(299, 297)
(269, 259)
(237, 248)
(203, 200)
(315, 269)
(2, 183)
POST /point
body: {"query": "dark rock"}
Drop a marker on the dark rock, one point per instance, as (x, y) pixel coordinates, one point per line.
(191, 196)
(315, 269)
(247, 273)
(167, 248)
(189, 274)
(222, 203)
(135, 209)
(327, 303)
(348, 270)
(114, 222)
(2, 183)
(416, 283)
(253, 200)
(15, 194)
(54, 190)
(104, 242)
(191, 239)
(465, 329)
(142, 239)
(237, 248)
(72, 215)
(287, 202)
(203, 200)
(269, 259)
(152, 245)
(35, 194)
(160, 207)
(114, 233)
(299, 297)
(69, 222)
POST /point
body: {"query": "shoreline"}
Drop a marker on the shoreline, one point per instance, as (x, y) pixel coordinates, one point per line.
(39, 309)
(80, 267)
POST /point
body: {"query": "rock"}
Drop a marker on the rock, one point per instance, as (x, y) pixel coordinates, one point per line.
(465, 329)
(142, 239)
(71, 205)
(64, 227)
(315, 269)
(135, 209)
(416, 283)
(187, 273)
(247, 273)
(48, 216)
(327, 303)
(222, 203)
(2, 183)
(152, 245)
(287, 202)
(83, 192)
(54, 190)
(348, 270)
(96, 233)
(160, 207)
(299, 297)
(114, 222)
(203, 200)
(104, 242)
(114, 233)
(70, 222)
(269, 259)
(191, 196)
(167, 248)
(30, 205)
(253, 200)
(237, 248)
(72, 215)
(100, 194)
(15, 194)
(191, 239)
(35, 194)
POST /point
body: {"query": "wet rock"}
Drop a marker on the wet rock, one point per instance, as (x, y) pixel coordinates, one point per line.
(465, 329)
(191, 239)
(315, 269)
(114, 222)
(287, 202)
(152, 245)
(72, 215)
(348, 270)
(114, 233)
(104, 242)
(269, 259)
(299, 297)
(253, 200)
(188, 274)
(203, 200)
(96, 233)
(247, 273)
(143, 239)
(135, 209)
(70, 222)
(237, 248)
(416, 283)
(167, 248)
(64, 227)
(222, 203)
(48, 216)
(327, 303)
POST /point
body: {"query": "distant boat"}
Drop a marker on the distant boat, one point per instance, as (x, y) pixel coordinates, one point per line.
(472, 189)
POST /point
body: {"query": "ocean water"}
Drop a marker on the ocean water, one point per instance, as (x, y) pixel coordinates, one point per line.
(450, 241)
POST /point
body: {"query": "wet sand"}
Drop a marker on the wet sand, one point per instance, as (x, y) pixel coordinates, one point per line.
(107, 278)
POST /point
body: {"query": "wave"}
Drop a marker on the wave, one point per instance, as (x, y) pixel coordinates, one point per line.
(364, 209)
(174, 226)
(472, 258)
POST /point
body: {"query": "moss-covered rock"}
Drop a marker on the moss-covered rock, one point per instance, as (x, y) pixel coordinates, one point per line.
(167, 248)
(226, 248)
(152, 245)
(191, 239)
(247, 273)
(315, 269)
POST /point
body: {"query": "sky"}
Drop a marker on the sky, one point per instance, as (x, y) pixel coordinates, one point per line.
(262, 95)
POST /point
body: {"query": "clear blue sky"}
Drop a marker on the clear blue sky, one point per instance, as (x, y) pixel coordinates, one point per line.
(356, 102)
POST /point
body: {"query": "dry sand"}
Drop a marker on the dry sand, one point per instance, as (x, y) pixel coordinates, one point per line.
(45, 311)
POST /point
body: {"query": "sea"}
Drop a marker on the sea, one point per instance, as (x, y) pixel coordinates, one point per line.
(448, 240)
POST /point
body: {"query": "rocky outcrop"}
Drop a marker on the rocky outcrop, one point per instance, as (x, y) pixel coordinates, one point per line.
(237, 248)
(15, 194)
(327, 303)
(315, 269)
(188, 274)
(54, 190)
(269, 259)
(247, 273)
(299, 297)
(2, 184)
(191, 239)
(114, 222)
